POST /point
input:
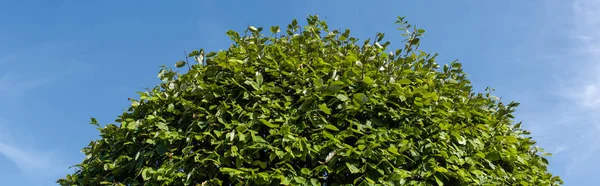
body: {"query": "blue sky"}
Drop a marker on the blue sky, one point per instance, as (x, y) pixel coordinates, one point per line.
(64, 61)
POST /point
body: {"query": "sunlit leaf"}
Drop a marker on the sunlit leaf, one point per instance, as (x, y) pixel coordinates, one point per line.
(324, 108)
(352, 168)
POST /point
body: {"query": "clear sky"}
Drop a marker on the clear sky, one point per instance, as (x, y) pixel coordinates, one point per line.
(64, 61)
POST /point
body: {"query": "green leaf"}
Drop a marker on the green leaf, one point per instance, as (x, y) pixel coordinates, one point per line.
(352, 168)
(546, 154)
(452, 81)
(180, 64)
(404, 81)
(230, 171)
(367, 80)
(211, 54)
(161, 148)
(236, 61)
(268, 124)
(259, 78)
(300, 180)
(162, 126)
(275, 29)
(361, 98)
(94, 122)
(415, 41)
(315, 182)
(150, 117)
(254, 85)
(328, 135)
(285, 181)
(369, 181)
(512, 139)
(307, 104)
(521, 160)
(150, 141)
(145, 175)
(393, 150)
(323, 107)
(402, 98)
(331, 127)
(438, 181)
(194, 53)
(305, 171)
(332, 89)
(342, 97)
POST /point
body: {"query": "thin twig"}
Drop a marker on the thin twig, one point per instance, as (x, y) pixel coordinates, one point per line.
(186, 60)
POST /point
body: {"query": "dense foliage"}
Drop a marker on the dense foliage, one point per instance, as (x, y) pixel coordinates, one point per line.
(312, 106)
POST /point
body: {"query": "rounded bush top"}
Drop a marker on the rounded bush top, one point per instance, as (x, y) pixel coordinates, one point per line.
(313, 106)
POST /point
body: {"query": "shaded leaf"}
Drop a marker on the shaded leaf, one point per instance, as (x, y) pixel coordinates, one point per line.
(180, 64)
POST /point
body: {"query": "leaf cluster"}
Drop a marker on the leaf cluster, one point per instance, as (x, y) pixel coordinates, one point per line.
(314, 106)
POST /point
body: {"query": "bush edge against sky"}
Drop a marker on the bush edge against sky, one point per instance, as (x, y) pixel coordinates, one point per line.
(412, 76)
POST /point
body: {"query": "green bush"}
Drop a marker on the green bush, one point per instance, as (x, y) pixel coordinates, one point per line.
(312, 106)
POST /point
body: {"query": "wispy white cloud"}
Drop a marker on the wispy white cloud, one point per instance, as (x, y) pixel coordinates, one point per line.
(576, 119)
(36, 66)
(35, 162)
(19, 78)
(587, 49)
(563, 105)
(11, 85)
(26, 160)
(560, 148)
